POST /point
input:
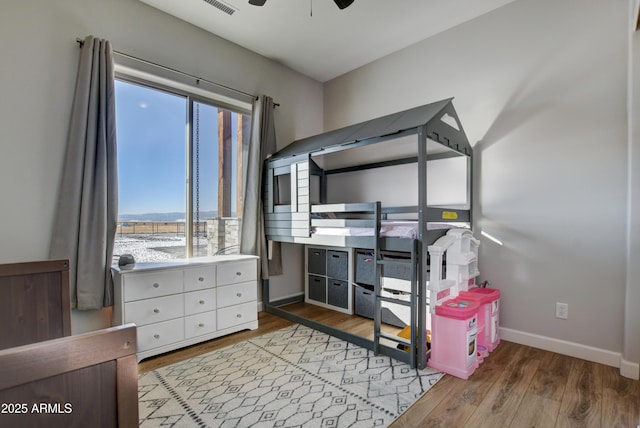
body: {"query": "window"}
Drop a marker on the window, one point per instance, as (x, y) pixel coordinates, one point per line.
(180, 173)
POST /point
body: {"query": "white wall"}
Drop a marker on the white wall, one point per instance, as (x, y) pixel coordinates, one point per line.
(37, 74)
(631, 350)
(398, 185)
(540, 87)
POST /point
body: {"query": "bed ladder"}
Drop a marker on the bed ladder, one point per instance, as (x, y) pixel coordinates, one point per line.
(378, 348)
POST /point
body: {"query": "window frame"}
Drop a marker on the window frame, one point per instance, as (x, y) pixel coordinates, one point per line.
(192, 95)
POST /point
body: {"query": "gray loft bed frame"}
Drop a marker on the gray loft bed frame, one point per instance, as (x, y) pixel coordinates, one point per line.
(436, 124)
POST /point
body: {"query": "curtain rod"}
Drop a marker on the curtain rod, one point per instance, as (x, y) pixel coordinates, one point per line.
(198, 79)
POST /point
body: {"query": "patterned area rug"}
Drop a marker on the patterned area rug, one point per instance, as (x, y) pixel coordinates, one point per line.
(294, 377)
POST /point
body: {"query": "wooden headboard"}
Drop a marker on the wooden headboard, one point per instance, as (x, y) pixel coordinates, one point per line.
(34, 302)
(87, 380)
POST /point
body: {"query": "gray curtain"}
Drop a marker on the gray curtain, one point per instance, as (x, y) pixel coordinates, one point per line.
(262, 144)
(86, 215)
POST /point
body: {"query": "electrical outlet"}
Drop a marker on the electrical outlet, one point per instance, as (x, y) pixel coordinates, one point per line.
(562, 310)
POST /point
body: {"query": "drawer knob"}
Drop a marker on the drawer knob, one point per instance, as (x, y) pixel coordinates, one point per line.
(201, 325)
(239, 273)
(239, 316)
(156, 311)
(156, 285)
(201, 279)
(201, 302)
(157, 336)
(239, 294)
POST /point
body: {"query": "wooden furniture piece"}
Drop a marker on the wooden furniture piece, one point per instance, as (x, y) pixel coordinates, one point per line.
(87, 380)
(183, 302)
(34, 302)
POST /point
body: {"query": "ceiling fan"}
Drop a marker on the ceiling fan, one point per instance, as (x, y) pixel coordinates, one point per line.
(342, 4)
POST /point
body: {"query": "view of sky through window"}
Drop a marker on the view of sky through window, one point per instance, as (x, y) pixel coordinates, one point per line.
(151, 150)
(153, 144)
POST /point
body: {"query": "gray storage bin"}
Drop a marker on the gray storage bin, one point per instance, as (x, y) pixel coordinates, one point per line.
(317, 261)
(364, 306)
(338, 264)
(365, 267)
(397, 271)
(338, 293)
(395, 314)
(364, 301)
(317, 288)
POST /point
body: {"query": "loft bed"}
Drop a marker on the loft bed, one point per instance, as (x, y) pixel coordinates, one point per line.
(304, 203)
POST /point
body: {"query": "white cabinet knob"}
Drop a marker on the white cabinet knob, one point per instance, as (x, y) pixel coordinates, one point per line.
(201, 302)
(201, 325)
(157, 336)
(239, 316)
(239, 273)
(239, 294)
(156, 311)
(201, 279)
(156, 285)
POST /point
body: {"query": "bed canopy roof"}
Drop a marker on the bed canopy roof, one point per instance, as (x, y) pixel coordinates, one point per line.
(440, 118)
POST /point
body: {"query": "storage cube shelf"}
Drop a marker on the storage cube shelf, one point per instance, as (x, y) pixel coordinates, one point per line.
(328, 275)
(342, 279)
(183, 302)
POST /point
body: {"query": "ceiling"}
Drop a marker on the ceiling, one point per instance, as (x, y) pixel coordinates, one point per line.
(316, 38)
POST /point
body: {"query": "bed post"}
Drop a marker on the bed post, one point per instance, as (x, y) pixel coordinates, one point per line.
(422, 250)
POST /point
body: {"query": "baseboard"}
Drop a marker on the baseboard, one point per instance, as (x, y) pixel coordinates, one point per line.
(287, 300)
(630, 369)
(564, 347)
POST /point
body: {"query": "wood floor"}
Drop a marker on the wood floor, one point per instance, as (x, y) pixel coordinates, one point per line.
(516, 386)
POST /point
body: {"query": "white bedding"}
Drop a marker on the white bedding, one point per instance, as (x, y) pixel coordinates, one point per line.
(389, 228)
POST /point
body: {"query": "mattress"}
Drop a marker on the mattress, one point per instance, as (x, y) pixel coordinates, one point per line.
(388, 228)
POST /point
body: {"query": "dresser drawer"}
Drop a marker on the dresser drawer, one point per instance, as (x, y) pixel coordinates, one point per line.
(235, 294)
(198, 278)
(150, 311)
(154, 284)
(234, 315)
(232, 273)
(200, 301)
(160, 334)
(197, 325)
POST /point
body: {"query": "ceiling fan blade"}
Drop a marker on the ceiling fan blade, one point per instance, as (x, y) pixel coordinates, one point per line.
(257, 2)
(343, 4)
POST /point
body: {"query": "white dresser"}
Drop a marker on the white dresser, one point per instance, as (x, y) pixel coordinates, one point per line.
(183, 302)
